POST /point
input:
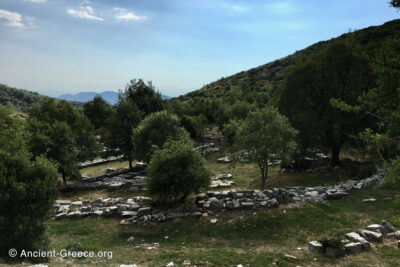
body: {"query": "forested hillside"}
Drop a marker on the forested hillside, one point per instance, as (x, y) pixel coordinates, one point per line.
(22, 100)
(246, 85)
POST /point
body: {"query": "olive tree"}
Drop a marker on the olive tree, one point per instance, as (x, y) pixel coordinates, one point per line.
(266, 136)
(177, 170)
(154, 131)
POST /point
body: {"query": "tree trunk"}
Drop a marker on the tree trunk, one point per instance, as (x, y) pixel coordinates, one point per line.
(130, 162)
(64, 178)
(335, 160)
(264, 173)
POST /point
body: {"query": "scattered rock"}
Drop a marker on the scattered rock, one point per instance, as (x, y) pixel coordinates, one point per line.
(371, 235)
(369, 200)
(374, 227)
(387, 227)
(289, 257)
(352, 247)
(226, 176)
(357, 238)
(395, 235)
(225, 159)
(315, 246)
(130, 239)
(213, 221)
(171, 264)
(38, 265)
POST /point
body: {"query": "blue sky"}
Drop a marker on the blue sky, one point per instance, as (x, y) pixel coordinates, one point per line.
(69, 46)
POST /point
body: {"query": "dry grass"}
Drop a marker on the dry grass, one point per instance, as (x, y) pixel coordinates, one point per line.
(100, 169)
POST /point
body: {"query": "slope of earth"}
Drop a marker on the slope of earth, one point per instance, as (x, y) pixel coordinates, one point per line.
(267, 78)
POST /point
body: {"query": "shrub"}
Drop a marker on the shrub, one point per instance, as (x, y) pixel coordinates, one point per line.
(154, 131)
(27, 188)
(176, 171)
(230, 130)
(194, 125)
(392, 174)
(27, 192)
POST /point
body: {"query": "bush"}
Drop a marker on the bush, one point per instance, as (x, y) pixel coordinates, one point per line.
(194, 125)
(392, 174)
(153, 132)
(230, 130)
(176, 171)
(27, 193)
(27, 188)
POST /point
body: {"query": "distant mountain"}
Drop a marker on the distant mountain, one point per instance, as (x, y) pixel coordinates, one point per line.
(267, 78)
(22, 100)
(109, 96)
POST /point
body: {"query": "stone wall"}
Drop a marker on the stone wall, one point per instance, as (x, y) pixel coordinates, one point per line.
(99, 162)
(134, 178)
(139, 209)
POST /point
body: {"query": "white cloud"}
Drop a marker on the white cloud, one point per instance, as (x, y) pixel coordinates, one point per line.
(13, 19)
(129, 16)
(36, 1)
(282, 8)
(84, 12)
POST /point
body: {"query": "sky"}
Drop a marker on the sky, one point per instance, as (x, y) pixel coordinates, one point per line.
(69, 46)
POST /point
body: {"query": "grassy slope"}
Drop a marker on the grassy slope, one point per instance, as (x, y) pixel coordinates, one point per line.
(251, 238)
(266, 78)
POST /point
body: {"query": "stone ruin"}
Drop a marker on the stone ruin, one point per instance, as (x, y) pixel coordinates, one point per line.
(139, 209)
(135, 179)
(208, 148)
(358, 241)
(97, 162)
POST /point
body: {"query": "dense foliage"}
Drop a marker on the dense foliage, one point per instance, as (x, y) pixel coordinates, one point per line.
(153, 132)
(98, 111)
(382, 103)
(392, 174)
(336, 74)
(136, 102)
(27, 189)
(144, 96)
(176, 171)
(266, 137)
(61, 134)
(124, 120)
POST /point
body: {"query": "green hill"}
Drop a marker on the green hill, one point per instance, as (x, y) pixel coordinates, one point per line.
(266, 78)
(22, 100)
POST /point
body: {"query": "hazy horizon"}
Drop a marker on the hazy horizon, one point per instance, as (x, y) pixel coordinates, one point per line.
(66, 47)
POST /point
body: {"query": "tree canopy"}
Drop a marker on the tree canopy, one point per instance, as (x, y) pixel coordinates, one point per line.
(144, 96)
(125, 118)
(61, 134)
(98, 111)
(266, 137)
(395, 3)
(337, 74)
(177, 170)
(154, 131)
